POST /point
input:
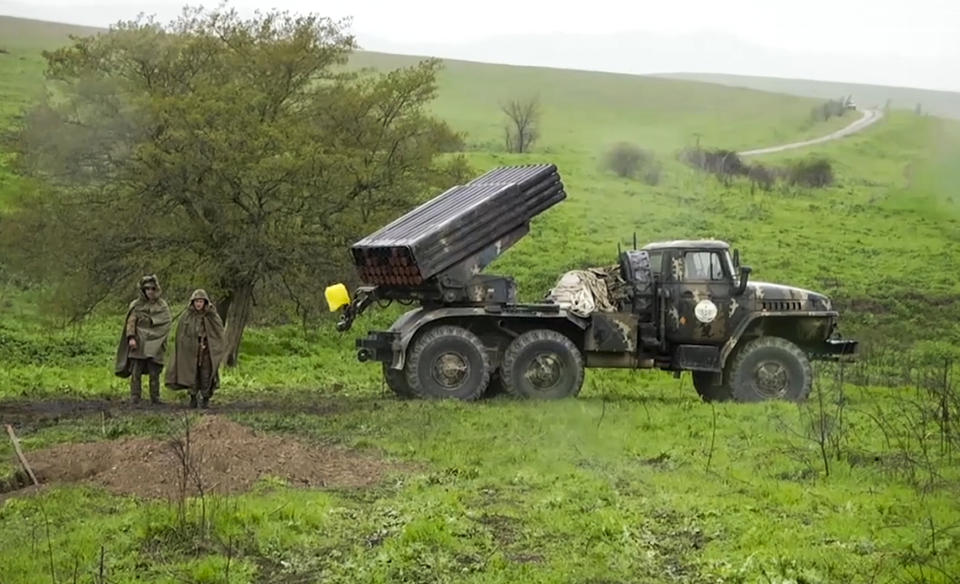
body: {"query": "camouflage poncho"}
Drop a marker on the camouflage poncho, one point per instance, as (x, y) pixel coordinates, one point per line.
(153, 321)
(182, 372)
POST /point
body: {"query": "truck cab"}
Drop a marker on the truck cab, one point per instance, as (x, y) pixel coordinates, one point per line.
(710, 314)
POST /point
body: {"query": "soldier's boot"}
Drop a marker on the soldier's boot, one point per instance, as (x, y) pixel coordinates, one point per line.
(205, 401)
(193, 400)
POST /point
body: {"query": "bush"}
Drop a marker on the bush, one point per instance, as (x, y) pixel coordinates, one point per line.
(719, 161)
(628, 160)
(828, 109)
(762, 176)
(812, 172)
(726, 165)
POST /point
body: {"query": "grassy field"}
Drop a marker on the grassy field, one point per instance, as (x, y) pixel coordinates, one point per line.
(635, 481)
(937, 103)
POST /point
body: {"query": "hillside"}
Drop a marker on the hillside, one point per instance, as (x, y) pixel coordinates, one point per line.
(21, 65)
(938, 103)
(587, 111)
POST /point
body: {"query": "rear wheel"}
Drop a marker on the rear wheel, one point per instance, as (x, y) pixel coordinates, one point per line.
(542, 364)
(448, 362)
(770, 368)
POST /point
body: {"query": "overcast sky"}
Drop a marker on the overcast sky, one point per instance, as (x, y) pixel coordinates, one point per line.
(915, 43)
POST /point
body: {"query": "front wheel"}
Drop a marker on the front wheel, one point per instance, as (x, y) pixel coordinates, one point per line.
(770, 368)
(710, 386)
(542, 364)
(448, 362)
(397, 382)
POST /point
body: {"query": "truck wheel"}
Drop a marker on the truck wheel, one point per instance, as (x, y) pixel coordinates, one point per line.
(710, 390)
(448, 362)
(397, 382)
(542, 364)
(770, 368)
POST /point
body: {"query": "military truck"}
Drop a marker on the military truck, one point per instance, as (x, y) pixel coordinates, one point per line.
(674, 305)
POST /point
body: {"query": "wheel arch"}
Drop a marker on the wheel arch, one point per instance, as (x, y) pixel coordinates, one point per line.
(805, 329)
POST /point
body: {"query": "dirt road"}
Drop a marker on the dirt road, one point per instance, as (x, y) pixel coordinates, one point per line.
(869, 118)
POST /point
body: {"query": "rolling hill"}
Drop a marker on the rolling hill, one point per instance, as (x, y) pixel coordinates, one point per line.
(938, 103)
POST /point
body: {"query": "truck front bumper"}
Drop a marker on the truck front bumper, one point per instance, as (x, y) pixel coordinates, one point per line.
(836, 349)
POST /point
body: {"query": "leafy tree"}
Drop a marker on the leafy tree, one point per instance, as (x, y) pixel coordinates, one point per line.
(216, 150)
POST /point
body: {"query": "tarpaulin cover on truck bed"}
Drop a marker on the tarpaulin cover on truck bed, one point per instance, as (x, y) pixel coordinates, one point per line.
(583, 292)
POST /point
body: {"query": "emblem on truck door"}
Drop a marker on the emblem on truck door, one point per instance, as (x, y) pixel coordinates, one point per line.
(705, 311)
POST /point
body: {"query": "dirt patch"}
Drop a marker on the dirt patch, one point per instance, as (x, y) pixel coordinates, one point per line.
(223, 456)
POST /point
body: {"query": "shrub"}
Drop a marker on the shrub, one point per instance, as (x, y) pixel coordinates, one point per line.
(762, 176)
(812, 172)
(719, 161)
(628, 160)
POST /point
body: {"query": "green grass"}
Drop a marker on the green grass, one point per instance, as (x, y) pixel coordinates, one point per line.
(620, 485)
(613, 487)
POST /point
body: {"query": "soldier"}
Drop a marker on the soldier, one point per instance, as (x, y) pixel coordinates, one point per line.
(198, 350)
(143, 340)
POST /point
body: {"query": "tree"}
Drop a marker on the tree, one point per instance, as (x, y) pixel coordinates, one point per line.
(522, 126)
(220, 150)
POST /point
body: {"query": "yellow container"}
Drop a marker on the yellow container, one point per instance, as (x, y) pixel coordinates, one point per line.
(337, 297)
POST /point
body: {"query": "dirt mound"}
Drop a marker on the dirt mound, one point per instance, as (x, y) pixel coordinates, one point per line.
(222, 457)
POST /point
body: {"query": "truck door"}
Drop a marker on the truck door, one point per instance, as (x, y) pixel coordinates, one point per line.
(699, 307)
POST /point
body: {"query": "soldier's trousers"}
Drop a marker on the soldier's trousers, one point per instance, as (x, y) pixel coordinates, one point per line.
(141, 366)
(204, 379)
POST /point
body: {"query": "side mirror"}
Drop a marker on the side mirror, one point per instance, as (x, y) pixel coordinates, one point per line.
(744, 278)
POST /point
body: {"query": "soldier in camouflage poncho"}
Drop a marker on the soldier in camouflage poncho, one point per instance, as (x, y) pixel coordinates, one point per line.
(143, 340)
(199, 349)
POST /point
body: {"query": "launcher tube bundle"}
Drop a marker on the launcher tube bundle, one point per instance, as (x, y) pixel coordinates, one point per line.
(456, 225)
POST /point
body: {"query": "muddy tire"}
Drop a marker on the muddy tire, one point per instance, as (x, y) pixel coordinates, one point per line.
(770, 368)
(397, 382)
(542, 364)
(448, 362)
(708, 388)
